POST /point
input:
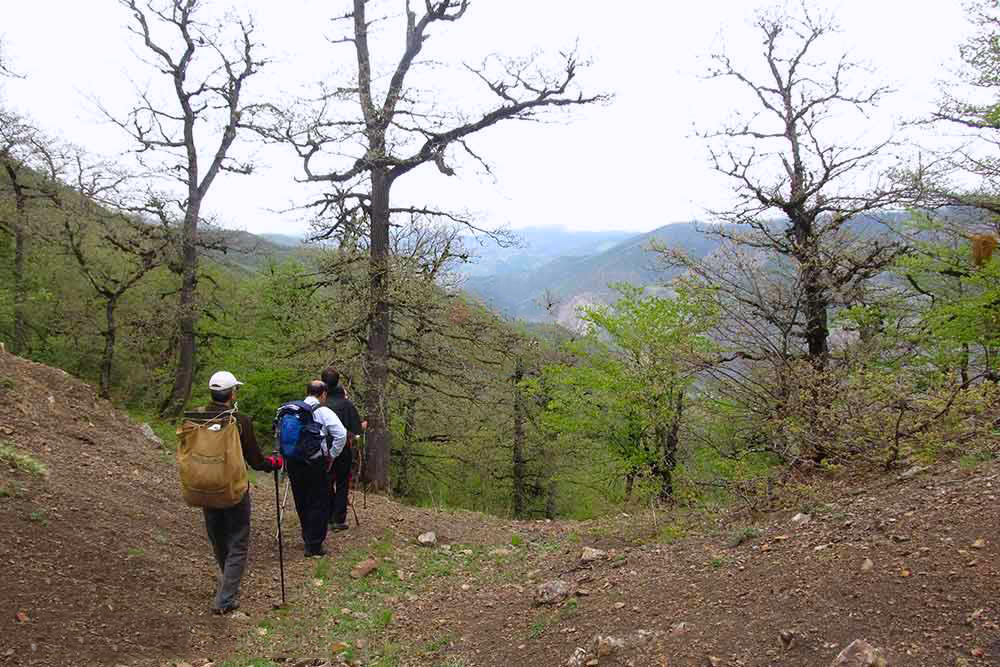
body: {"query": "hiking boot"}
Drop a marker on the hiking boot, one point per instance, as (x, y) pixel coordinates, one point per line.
(315, 553)
(222, 611)
(339, 526)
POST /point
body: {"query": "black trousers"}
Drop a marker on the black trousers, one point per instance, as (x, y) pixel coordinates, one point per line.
(341, 474)
(229, 532)
(311, 491)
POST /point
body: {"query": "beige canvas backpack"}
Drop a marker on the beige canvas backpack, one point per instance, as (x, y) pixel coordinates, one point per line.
(210, 458)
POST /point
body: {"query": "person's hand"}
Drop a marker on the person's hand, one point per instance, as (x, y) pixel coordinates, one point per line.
(364, 425)
(275, 462)
(329, 463)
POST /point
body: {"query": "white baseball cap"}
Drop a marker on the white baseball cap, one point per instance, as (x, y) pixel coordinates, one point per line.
(223, 380)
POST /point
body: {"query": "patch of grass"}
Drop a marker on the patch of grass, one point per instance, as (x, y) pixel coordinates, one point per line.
(436, 645)
(20, 460)
(7, 383)
(389, 655)
(717, 562)
(38, 516)
(7, 492)
(516, 540)
(134, 552)
(670, 533)
(976, 457)
(247, 662)
(742, 534)
(537, 628)
(383, 548)
(322, 569)
(569, 610)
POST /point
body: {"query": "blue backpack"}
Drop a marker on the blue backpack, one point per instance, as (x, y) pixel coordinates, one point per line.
(298, 435)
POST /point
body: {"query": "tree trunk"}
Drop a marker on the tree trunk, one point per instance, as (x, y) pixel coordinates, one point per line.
(550, 500)
(669, 438)
(519, 482)
(187, 317)
(20, 341)
(377, 352)
(401, 483)
(816, 304)
(629, 484)
(107, 359)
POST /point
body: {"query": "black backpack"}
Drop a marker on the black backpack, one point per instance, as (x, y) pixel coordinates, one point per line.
(298, 434)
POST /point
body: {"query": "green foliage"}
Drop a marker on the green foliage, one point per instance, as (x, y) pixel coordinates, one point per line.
(21, 460)
(622, 388)
(742, 534)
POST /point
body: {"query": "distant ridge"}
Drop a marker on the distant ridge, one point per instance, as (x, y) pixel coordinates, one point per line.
(573, 281)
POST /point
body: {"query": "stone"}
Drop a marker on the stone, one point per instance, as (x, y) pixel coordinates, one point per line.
(590, 555)
(712, 661)
(860, 654)
(148, 432)
(500, 552)
(579, 658)
(552, 592)
(911, 472)
(427, 539)
(867, 565)
(364, 568)
(979, 544)
(604, 646)
(801, 519)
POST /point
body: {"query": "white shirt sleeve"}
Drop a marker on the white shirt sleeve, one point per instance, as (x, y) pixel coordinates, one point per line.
(336, 432)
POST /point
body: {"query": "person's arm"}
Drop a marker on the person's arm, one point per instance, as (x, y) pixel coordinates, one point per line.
(337, 434)
(251, 451)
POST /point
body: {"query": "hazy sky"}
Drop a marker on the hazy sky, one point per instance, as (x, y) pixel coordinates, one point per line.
(632, 164)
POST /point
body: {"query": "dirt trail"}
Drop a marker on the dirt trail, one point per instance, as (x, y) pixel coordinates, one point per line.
(105, 566)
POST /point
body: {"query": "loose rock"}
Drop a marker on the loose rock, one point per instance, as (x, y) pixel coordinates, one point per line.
(801, 519)
(590, 555)
(553, 592)
(867, 565)
(860, 654)
(427, 539)
(364, 568)
(150, 435)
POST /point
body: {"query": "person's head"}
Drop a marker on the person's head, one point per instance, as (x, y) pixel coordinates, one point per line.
(331, 376)
(317, 389)
(223, 386)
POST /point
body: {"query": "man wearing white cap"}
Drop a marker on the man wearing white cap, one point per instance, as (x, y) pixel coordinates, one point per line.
(229, 528)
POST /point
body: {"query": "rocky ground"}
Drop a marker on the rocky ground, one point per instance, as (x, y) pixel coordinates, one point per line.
(106, 566)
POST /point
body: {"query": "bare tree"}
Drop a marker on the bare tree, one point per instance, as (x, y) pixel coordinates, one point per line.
(360, 154)
(207, 69)
(31, 170)
(114, 250)
(803, 191)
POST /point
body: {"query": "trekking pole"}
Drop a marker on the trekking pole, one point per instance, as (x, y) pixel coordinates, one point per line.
(281, 555)
(284, 504)
(364, 463)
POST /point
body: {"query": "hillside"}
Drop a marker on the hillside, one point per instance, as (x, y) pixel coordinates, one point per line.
(105, 566)
(578, 280)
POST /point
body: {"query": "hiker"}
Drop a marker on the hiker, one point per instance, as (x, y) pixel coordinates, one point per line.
(229, 527)
(310, 478)
(341, 478)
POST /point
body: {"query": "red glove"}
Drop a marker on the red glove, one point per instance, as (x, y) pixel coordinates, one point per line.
(275, 462)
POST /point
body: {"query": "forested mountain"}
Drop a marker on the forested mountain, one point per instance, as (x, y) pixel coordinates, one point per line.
(567, 282)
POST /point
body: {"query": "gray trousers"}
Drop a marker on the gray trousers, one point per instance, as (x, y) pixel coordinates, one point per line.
(229, 533)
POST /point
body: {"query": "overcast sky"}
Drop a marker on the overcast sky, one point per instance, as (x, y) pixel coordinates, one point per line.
(630, 165)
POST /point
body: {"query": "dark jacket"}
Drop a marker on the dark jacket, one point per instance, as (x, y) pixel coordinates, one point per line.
(345, 410)
(248, 441)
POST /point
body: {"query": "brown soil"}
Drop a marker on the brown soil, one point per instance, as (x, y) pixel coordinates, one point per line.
(104, 565)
